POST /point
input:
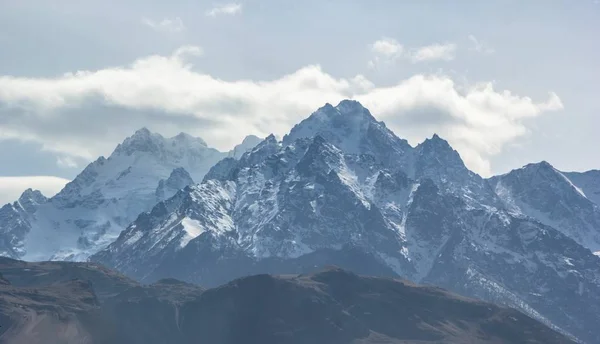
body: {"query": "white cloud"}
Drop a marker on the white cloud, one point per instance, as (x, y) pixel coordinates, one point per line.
(389, 51)
(166, 25)
(385, 51)
(86, 113)
(387, 47)
(478, 122)
(66, 161)
(185, 51)
(480, 46)
(230, 9)
(12, 187)
(444, 52)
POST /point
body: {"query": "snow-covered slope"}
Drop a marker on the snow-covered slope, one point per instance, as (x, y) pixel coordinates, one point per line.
(588, 182)
(91, 211)
(247, 144)
(351, 127)
(542, 192)
(343, 189)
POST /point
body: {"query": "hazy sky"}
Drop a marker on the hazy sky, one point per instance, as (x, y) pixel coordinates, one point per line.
(505, 82)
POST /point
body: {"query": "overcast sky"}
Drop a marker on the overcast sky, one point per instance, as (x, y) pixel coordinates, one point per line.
(505, 82)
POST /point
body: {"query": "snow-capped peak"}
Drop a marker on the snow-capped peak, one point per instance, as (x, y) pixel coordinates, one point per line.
(344, 125)
(349, 107)
(351, 127)
(178, 179)
(144, 141)
(247, 144)
(91, 211)
(540, 191)
(179, 174)
(142, 132)
(30, 199)
(141, 140)
(32, 195)
(545, 170)
(588, 182)
(438, 140)
(436, 159)
(265, 148)
(438, 152)
(187, 138)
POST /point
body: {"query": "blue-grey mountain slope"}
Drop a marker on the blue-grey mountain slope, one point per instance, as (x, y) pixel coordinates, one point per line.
(588, 182)
(542, 192)
(342, 189)
(91, 211)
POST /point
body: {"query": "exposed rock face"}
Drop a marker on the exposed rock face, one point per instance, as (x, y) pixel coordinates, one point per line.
(167, 188)
(542, 192)
(91, 211)
(588, 182)
(341, 188)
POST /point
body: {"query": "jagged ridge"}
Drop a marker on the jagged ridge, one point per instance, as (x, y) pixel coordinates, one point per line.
(343, 188)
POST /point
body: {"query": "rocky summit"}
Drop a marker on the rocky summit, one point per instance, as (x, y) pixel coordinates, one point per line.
(341, 188)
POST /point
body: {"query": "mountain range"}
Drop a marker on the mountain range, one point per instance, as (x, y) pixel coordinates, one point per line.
(91, 211)
(62, 302)
(340, 188)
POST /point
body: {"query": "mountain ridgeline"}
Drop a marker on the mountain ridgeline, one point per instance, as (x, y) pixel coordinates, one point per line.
(49, 303)
(91, 211)
(340, 188)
